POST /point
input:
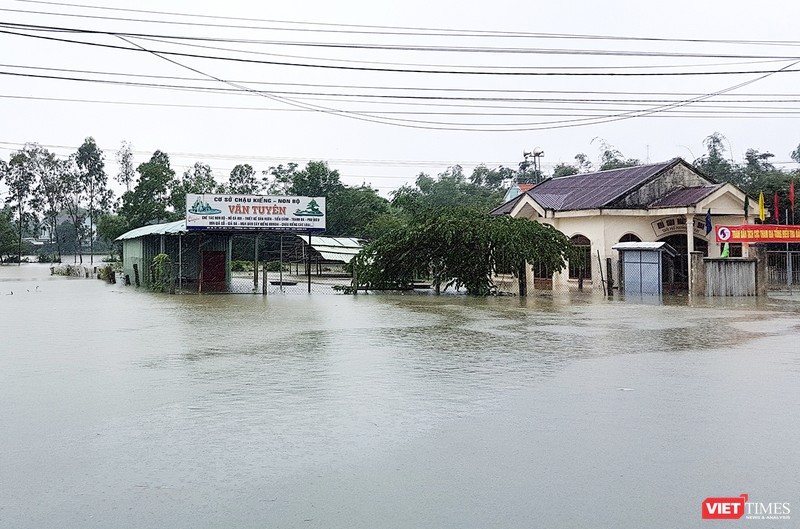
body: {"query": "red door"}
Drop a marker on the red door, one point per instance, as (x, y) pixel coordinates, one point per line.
(213, 272)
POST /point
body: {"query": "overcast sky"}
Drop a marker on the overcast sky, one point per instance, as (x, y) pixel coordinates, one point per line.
(340, 81)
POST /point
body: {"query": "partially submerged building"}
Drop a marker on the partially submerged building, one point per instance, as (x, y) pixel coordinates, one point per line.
(212, 261)
(664, 202)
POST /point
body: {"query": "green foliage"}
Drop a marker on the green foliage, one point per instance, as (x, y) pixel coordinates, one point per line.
(316, 180)
(450, 189)
(242, 181)
(275, 266)
(757, 174)
(149, 202)
(459, 248)
(42, 257)
(611, 158)
(564, 169)
(238, 265)
(160, 273)
(495, 179)
(351, 211)
(199, 179)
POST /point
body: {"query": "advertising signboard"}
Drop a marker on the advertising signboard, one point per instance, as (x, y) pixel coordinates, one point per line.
(758, 233)
(254, 212)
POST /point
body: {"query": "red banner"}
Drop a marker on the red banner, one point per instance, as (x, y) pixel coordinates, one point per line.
(758, 233)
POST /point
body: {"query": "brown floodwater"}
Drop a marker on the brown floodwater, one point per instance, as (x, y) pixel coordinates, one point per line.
(122, 408)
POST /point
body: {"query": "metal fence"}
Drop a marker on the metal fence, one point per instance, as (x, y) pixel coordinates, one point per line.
(783, 270)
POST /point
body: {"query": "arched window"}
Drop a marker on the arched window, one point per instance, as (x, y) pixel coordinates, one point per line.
(580, 265)
(629, 237)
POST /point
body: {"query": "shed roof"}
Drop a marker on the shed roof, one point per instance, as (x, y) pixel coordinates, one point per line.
(645, 246)
(179, 226)
(336, 248)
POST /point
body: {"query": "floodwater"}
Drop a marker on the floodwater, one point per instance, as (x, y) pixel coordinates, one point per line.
(126, 409)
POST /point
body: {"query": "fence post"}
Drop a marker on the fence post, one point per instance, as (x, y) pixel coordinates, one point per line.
(308, 256)
(136, 274)
(355, 276)
(264, 280)
(255, 263)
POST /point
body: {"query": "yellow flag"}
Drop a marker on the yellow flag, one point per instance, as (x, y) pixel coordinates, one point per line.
(761, 206)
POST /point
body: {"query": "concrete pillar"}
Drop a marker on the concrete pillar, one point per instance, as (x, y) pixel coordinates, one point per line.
(760, 253)
(689, 244)
(697, 281)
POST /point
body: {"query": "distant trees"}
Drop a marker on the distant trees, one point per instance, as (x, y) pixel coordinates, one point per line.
(92, 183)
(755, 175)
(21, 175)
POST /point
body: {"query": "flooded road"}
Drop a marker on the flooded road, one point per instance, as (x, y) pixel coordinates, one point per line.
(121, 408)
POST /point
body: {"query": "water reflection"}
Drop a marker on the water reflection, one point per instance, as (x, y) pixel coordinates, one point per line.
(207, 411)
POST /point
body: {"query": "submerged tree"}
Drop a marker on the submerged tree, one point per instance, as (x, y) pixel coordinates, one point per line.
(93, 182)
(50, 194)
(459, 248)
(21, 177)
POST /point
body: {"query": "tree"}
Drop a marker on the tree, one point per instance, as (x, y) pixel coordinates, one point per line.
(714, 164)
(449, 189)
(278, 180)
(21, 176)
(110, 226)
(8, 239)
(351, 210)
(74, 199)
(796, 154)
(460, 248)
(611, 158)
(242, 181)
(92, 178)
(126, 174)
(149, 201)
(564, 169)
(199, 179)
(494, 179)
(50, 194)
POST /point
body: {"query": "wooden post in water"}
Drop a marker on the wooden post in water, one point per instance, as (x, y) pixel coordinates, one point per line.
(136, 274)
(264, 280)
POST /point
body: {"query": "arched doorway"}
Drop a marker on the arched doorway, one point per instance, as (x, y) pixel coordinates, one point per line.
(680, 270)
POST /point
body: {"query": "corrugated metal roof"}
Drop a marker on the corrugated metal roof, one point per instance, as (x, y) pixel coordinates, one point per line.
(687, 196)
(594, 190)
(179, 226)
(335, 248)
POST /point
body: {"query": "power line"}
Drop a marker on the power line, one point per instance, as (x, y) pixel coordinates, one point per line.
(436, 31)
(391, 70)
(366, 98)
(391, 47)
(395, 88)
